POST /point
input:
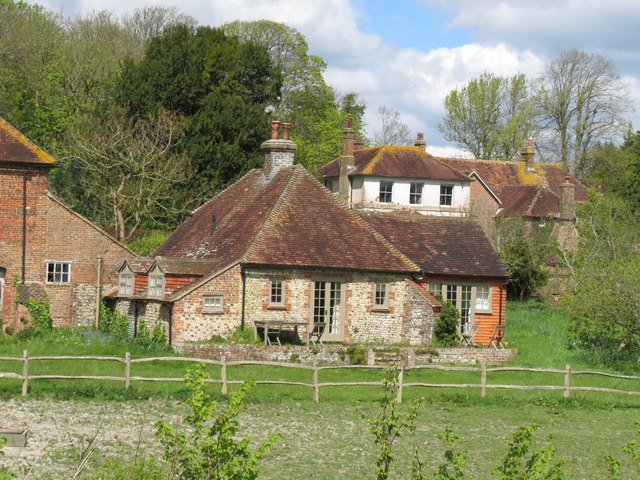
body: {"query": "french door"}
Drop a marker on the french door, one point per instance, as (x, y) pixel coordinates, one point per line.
(328, 308)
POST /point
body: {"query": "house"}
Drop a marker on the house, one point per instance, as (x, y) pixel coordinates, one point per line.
(277, 246)
(457, 262)
(388, 178)
(46, 249)
(535, 192)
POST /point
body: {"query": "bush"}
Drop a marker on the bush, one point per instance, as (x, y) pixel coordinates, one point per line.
(446, 327)
(147, 244)
(113, 323)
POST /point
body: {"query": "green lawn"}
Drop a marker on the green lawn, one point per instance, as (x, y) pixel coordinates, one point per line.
(331, 439)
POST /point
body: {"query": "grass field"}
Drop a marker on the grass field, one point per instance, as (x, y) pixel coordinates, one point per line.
(331, 439)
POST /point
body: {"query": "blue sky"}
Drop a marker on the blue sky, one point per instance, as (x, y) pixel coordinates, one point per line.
(409, 54)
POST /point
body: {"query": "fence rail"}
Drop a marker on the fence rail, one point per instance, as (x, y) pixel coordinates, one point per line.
(224, 381)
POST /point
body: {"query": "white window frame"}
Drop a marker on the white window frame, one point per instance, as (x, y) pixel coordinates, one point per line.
(60, 269)
(415, 193)
(125, 283)
(155, 288)
(442, 288)
(278, 285)
(381, 296)
(212, 303)
(482, 300)
(446, 198)
(384, 194)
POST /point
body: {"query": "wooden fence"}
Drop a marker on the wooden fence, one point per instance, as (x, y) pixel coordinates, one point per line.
(224, 382)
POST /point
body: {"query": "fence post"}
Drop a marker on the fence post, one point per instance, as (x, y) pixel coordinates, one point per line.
(400, 379)
(127, 370)
(25, 373)
(566, 380)
(223, 373)
(483, 380)
(316, 388)
(371, 358)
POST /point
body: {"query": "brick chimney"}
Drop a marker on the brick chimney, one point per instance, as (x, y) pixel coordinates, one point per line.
(567, 200)
(528, 154)
(420, 142)
(347, 162)
(278, 152)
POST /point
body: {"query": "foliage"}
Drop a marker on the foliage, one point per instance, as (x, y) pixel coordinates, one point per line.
(447, 325)
(119, 469)
(490, 117)
(5, 472)
(453, 466)
(219, 85)
(208, 448)
(155, 338)
(392, 130)
(146, 244)
(632, 449)
(113, 323)
(389, 424)
(41, 318)
(519, 464)
(580, 100)
(130, 170)
(527, 273)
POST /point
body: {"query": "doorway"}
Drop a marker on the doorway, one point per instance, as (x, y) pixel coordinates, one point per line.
(328, 308)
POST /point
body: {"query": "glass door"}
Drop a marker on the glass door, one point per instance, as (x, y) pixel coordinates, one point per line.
(327, 308)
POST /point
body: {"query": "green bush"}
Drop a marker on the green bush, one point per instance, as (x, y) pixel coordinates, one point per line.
(446, 327)
(113, 323)
(147, 244)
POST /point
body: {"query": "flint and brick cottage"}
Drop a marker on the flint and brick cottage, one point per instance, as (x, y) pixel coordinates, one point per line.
(46, 249)
(277, 245)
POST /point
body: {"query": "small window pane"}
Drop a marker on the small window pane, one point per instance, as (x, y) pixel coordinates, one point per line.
(483, 297)
(446, 195)
(212, 304)
(380, 299)
(415, 194)
(156, 285)
(58, 272)
(126, 284)
(276, 292)
(386, 192)
(435, 289)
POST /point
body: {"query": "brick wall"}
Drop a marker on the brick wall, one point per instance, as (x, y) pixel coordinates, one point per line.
(483, 207)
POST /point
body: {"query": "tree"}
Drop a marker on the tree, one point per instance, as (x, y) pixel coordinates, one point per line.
(527, 273)
(221, 86)
(490, 117)
(580, 100)
(392, 130)
(148, 22)
(130, 170)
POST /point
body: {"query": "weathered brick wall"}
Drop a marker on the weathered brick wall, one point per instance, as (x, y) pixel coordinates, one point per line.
(483, 207)
(72, 238)
(419, 318)
(11, 211)
(190, 323)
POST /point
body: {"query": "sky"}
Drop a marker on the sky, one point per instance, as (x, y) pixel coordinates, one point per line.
(409, 54)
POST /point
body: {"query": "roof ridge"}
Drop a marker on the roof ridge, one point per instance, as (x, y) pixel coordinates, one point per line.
(30, 145)
(270, 216)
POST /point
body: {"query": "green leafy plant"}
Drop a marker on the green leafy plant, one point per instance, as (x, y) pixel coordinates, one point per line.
(453, 466)
(632, 449)
(113, 323)
(519, 464)
(389, 424)
(208, 448)
(5, 472)
(446, 327)
(41, 318)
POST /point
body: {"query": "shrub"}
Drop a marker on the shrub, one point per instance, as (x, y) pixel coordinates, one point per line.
(113, 323)
(446, 327)
(41, 318)
(147, 244)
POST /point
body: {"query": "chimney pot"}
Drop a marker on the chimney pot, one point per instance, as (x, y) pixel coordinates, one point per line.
(528, 154)
(275, 126)
(285, 133)
(420, 141)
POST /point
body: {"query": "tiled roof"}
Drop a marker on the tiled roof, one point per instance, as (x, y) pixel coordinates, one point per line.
(440, 245)
(521, 190)
(288, 220)
(424, 293)
(391, 161)
(139, 265)
(185, 266)
(15, 148)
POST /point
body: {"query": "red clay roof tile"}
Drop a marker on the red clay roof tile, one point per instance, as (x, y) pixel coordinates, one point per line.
(15, 148)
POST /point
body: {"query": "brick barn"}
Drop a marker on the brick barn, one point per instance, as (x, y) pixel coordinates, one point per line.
(46, 249)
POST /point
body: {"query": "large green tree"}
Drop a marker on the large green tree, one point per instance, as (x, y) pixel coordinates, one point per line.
(490, 117)
(219, 85)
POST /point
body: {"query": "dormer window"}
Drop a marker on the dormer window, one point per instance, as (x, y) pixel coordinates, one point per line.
(156, 283)
(125, 282)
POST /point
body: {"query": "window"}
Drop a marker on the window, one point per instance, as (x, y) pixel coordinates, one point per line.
(380, 298)
(435, 289)
(483, 298)
(415, 194)
(212, 303)
(386, 192)
(276, 297)
(446, 195)
(156, 285)
(125, 286)
(58, 272)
